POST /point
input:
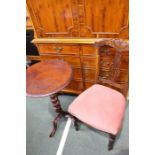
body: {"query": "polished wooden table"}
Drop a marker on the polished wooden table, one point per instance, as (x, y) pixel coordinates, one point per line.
(47, 78)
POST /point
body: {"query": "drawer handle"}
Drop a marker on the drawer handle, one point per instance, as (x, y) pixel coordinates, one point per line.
(58, 49)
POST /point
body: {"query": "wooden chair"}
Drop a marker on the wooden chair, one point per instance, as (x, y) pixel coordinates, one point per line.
(102, 106)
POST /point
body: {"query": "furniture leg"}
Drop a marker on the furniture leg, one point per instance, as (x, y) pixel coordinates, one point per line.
(75, 122)
(57, 118)
(60, 113)
(111, 141)
(56, 103)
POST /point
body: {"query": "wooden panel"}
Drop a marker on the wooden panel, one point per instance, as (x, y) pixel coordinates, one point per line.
(77, 73)
(73, 60)
(89, 74)
(52, 17)
(89, 62)
(74, 18)
(88, 84)
(89, 50)
(75, 85)
(58, 49)
(108, 17)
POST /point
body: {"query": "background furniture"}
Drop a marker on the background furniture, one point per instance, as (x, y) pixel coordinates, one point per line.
(47, 78)
(31, 49)
(68, 29)
(100, 106)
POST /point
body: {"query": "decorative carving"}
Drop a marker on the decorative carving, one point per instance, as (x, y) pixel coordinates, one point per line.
(119, 45)
(75, 18)
(78, 19)
(115, 68)
(105, 50)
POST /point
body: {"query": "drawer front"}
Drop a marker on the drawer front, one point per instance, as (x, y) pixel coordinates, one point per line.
(58, 49)
(73, 60)
(89, 50)
(89, 62)
(89, 74)
(48, 57)
(75, 85)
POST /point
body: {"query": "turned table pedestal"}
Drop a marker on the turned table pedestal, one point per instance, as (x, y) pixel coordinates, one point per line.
(47, 78)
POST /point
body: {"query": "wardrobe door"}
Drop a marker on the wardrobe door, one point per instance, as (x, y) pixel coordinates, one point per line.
(103, 18)
(54, 18)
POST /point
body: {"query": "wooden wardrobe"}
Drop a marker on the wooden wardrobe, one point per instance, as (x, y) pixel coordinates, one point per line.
(68, 29)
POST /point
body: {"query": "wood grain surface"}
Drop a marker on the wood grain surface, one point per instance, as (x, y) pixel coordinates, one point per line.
(47, 77)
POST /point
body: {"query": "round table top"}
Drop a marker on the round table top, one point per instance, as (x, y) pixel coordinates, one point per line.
(47, 77)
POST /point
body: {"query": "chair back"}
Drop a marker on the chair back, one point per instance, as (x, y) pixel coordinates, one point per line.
(119, 46)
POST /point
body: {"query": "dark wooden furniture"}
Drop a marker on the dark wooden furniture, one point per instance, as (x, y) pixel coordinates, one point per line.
(87, 106)
(119, 47)
(68, 29)
(47, 78)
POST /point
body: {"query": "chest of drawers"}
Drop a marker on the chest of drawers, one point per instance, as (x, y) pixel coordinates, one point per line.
(87, 62)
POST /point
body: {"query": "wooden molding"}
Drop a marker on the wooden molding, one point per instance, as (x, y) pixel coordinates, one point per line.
(70, 40)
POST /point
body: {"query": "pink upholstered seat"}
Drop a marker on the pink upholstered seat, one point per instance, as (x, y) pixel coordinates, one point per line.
(100, 107)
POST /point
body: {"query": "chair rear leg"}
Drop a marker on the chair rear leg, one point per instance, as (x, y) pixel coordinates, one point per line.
(111, 141)
(76, 123)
